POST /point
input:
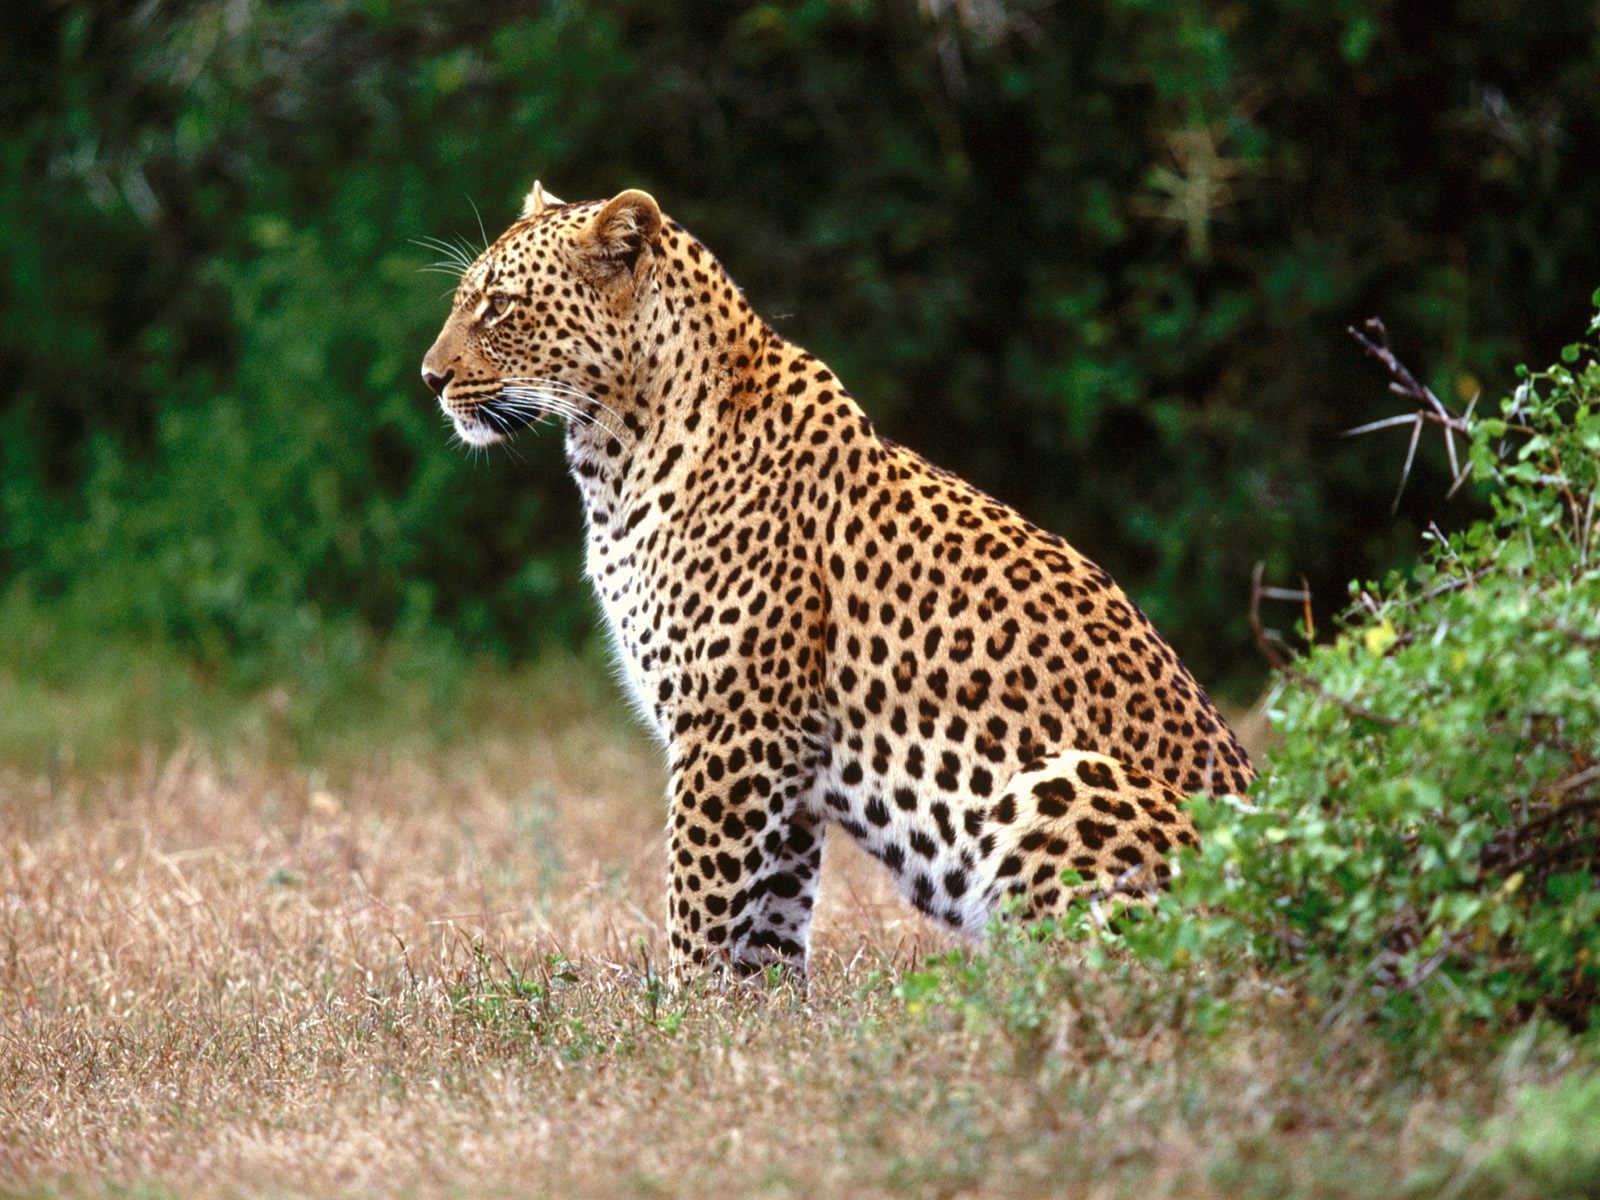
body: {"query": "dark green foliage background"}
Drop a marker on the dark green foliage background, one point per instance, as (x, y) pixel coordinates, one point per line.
(212, 431)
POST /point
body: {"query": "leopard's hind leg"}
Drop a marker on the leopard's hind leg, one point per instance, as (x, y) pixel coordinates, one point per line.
(1082, 812)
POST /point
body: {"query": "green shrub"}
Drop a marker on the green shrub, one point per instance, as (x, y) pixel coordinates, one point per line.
(1426, 836)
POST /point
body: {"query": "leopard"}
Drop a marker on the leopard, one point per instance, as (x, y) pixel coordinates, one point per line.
(823, 630)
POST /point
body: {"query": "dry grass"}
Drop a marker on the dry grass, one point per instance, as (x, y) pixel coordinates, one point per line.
(429, 974)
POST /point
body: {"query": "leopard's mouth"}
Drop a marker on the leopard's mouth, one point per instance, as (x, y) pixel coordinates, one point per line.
(484, 417)
(485, 422)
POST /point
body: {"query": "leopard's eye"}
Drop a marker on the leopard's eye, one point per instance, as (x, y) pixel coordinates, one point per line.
(497, 306)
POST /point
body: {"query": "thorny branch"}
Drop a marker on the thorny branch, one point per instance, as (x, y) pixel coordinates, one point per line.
(1375, 341)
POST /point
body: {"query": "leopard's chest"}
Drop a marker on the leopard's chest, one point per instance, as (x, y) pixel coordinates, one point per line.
(625, 566)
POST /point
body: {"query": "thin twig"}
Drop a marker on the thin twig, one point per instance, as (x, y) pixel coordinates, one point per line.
(1420, 976)
(1544, 855)
(1581, 779)
(1561, 854)
(1264, 643)
(1453, 584)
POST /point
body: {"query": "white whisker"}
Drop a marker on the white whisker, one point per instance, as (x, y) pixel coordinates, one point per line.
(546, 408)
(544, 383)
(453, 254)
(533, 412)
(481, 230)
(554, 397)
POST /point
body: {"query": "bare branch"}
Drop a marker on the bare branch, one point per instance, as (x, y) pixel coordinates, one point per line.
(1576, 846)
(1266, 644)
(1375, 341)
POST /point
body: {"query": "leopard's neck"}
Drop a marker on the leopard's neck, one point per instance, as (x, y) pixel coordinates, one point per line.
(701, 359)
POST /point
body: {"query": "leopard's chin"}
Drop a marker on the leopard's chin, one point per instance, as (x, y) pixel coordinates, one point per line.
(475, 432)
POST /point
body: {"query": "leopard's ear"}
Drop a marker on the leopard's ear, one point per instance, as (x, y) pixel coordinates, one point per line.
(537, 201)
(623, 230)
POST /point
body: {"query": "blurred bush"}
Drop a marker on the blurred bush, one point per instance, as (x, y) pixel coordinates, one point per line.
(1095, 256)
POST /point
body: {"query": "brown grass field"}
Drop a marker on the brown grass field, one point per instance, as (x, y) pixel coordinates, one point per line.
(427, 972)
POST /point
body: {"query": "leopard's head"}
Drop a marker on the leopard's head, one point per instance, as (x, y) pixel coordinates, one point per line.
(544, 322)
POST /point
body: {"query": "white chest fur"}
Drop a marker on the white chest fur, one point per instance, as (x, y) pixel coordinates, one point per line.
(613, 563)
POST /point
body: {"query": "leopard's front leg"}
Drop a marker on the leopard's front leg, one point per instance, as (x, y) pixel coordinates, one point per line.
(746, 855)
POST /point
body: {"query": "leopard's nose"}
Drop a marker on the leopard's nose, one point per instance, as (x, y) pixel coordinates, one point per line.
(435, 381)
